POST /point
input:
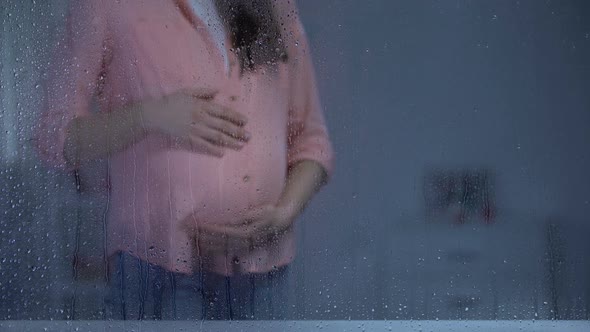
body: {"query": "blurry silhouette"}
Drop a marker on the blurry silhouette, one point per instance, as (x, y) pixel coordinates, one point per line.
(460, 194)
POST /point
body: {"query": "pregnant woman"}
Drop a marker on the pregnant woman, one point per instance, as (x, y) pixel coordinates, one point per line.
(211, 123)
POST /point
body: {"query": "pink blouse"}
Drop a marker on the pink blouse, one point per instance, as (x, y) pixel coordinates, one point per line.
(121, 52)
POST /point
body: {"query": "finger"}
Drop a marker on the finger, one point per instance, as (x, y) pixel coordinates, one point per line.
(239, 245)
(255, 216)
(229, 230)
(219, 138)
(253, 230)
(227, 127)
(202, 93)
(212, 243)
(208, 249)
(209, 242)
(226, 114)
(215, 230)
(202, 145)
(261, 241)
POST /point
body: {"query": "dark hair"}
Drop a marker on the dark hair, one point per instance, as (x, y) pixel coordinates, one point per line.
(254, 31)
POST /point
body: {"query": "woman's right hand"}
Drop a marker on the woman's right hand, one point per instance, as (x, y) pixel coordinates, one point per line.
(192, 117)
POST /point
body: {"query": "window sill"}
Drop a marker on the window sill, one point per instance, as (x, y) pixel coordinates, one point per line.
(327, 326)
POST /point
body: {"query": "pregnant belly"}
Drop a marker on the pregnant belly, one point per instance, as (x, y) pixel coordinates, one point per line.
(220, 190)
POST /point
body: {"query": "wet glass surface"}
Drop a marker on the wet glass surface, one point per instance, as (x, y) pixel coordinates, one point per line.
(446, 140)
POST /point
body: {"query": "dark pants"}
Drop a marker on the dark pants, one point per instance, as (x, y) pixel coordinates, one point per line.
(139, 290)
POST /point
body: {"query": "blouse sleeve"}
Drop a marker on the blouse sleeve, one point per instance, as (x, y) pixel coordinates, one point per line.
(308, 134)
(72, 79)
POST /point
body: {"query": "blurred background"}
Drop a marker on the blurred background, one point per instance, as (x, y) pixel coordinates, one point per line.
(462, 188)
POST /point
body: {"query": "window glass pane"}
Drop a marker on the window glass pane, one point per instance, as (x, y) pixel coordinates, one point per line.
(295, 160)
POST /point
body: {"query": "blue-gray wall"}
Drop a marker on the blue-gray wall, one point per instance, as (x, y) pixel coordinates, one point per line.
(407, 86)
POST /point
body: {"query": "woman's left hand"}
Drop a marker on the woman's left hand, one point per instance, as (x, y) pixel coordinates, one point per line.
(260, 226)
(266, 224)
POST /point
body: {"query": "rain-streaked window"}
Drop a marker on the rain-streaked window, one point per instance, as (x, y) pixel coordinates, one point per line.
(378, 161)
